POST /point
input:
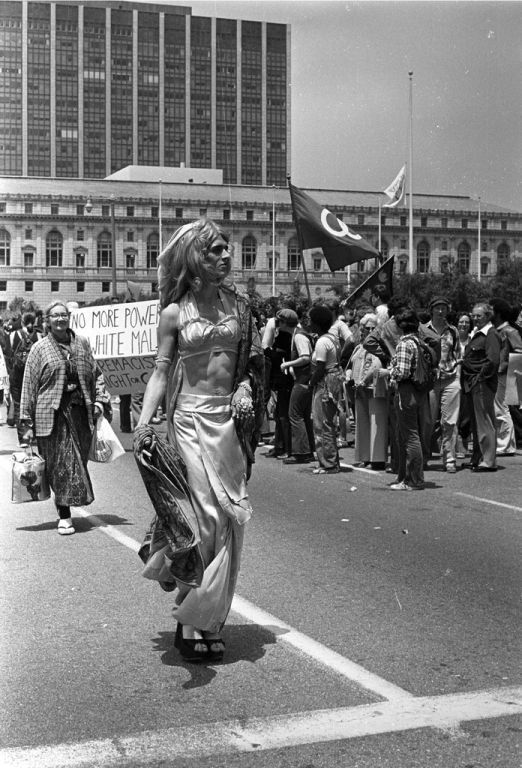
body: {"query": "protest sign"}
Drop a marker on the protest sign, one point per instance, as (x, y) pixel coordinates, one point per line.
(514, 380)
(4, 377)
(119, 330)
(123, 341)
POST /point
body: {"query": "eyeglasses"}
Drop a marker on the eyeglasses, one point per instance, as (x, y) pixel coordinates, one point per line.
(60, 316)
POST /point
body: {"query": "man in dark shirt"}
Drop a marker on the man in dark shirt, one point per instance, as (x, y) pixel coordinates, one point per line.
(479, 382)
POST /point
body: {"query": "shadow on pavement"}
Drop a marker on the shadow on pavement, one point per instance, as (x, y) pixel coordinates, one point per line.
(244, 642)
(81, 524)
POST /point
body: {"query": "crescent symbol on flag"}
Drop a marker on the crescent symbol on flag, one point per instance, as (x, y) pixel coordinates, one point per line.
(343, 230)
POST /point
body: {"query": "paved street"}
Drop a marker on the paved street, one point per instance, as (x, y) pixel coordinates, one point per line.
(370, 628)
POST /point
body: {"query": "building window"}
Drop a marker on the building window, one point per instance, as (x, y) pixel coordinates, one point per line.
(403, 264)
(154, 212)
(361, 266)
(3, 207)
(55, 209)
(503, 224)
(384, 249)
(28, 259)
(485, 245)
(484, 223)
(294, 255)
(202, 213)
(250, 215)
(106, 286)
(424, 221)
(404, 221)
(28, 209)
(130, 261)
(444, 223)
(464, 223)
(80, 235)
(130, 210)
(226, 214)
(152, 251)
(360, 219)
(484, 267)
(80, 287)
(80, 210)
(104, 250)
(28, 234)
(463, 257)
(403, 243)
(80, 261)
(106, 211)
(130, 236)
(53, 249)
(179, 213)
(444, 264)
(317, 263)
(383, 221)
(55, 286)
(444, 245)
(3, 285)
(502, 254)
(248, 252)
(28, 286)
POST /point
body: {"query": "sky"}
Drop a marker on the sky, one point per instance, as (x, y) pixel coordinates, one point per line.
(350, 92)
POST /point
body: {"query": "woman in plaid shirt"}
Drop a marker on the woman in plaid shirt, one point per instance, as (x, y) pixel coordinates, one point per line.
(63, 393)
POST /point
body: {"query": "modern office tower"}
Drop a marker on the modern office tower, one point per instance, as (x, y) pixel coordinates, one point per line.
(87, 88)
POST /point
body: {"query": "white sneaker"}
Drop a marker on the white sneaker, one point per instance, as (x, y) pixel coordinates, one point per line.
(65, 526)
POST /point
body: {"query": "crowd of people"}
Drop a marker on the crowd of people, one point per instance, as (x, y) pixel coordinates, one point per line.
(413, 385)
(397, 385)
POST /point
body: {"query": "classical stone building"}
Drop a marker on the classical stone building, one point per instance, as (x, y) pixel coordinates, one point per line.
(58, 236)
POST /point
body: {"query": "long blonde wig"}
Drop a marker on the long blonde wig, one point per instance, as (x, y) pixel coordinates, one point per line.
(183, 259)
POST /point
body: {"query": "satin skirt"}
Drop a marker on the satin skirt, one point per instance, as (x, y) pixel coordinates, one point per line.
(216, 470)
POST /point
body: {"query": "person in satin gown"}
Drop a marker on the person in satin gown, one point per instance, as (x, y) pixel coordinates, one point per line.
(210, 366)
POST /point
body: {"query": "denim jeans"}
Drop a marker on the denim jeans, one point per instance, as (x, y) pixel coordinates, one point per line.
(300, 414)
(410, 406)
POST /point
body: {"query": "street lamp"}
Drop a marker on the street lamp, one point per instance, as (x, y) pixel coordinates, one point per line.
(88, 209)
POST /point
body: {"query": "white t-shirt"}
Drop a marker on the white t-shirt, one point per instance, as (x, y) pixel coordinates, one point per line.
(325, 352)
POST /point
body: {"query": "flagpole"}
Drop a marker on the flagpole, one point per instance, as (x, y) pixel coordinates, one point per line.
(273, 241)
(160, 222)
(377, 261)
(479, 242)
(411, 265)
(300, 239)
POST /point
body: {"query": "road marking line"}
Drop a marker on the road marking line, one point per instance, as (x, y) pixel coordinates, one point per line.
(277, 732)
(284, 632)
(358, 469)
(109, 530)
(320, 653)
(489, 501)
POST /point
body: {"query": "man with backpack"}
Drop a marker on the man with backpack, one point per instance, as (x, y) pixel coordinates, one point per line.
(445, 395)
(20, 342)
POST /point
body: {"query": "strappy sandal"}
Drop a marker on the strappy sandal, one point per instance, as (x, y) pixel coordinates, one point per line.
(216, 647)
(187, 648)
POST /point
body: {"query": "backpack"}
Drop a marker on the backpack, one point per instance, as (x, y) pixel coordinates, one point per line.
(425, 372)
(20, 353)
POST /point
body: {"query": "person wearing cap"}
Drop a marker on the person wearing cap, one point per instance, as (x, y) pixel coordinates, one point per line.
(445, 395)
(281, 382)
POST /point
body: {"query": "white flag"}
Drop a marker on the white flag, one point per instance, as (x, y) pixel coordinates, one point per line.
(395, 191)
